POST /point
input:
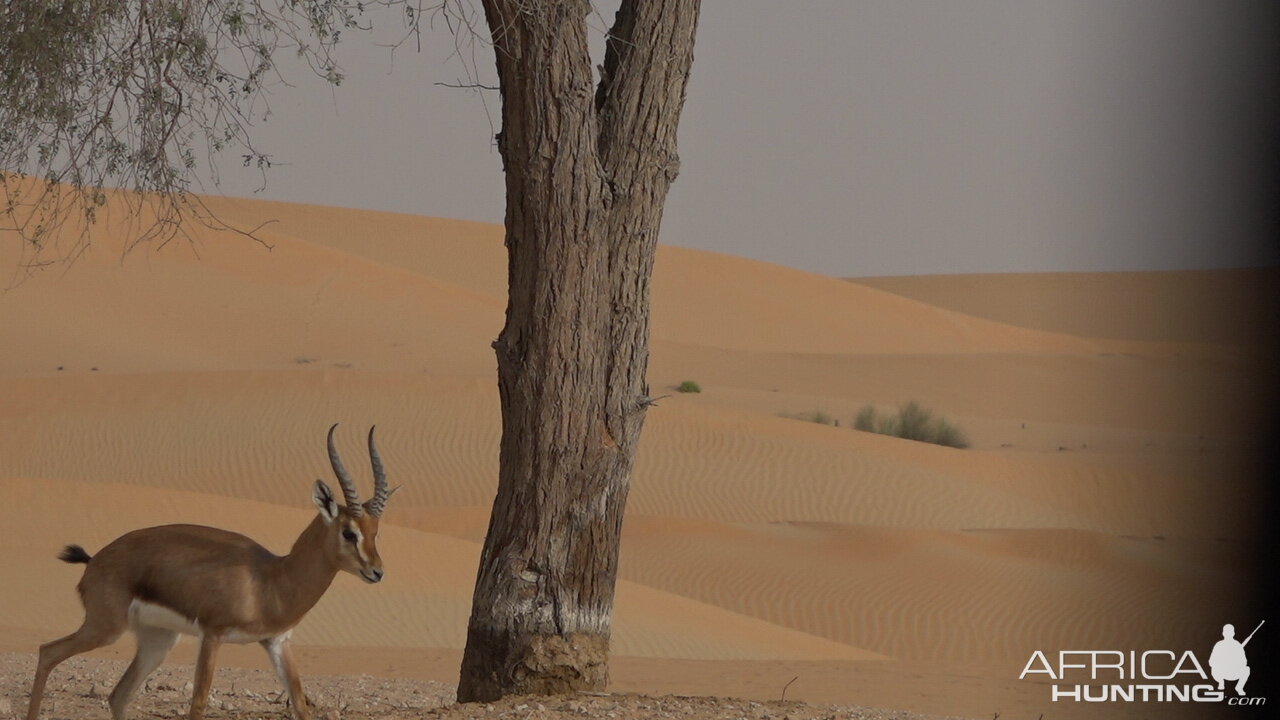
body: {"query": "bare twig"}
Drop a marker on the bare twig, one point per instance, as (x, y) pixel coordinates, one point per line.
(784, 687)
(644, 401)
(467, 86)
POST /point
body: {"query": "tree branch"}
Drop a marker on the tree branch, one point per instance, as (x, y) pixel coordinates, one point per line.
(467, 86)
(648, 54)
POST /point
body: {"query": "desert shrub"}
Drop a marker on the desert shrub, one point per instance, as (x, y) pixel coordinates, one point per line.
(817, 416)
(689, 386)
(820, 417)
(949, 434)
(912, 422)
(865, 420)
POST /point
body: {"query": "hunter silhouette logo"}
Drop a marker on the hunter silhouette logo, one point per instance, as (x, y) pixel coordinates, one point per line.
(1148, 675)
(1228, 661)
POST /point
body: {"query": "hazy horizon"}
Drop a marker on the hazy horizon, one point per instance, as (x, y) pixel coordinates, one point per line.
(868, 138)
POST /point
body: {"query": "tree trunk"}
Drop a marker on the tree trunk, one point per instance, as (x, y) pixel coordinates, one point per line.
(587, 171)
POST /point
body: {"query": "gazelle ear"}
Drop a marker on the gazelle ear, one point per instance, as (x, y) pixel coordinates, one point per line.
(325, 501)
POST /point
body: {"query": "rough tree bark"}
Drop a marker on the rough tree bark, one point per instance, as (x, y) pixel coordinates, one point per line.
(587, 171)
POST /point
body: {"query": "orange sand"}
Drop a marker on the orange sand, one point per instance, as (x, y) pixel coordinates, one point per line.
(1104, 503)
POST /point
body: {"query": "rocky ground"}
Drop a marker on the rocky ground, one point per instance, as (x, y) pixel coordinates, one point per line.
(79, 687)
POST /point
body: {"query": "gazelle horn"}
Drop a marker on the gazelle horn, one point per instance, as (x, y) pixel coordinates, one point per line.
(348, 488)
(380, 491)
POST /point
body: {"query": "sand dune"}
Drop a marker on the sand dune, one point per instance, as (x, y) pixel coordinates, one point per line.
(428, 600)
(1204, 306)
(1110, 479)
(1213, 396)
(237, 306)
(459, 252)
(1008, 592)
(879, 588)
(700, 298)
(204, 433)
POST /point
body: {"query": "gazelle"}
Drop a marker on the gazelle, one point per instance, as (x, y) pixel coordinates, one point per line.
(220, 586)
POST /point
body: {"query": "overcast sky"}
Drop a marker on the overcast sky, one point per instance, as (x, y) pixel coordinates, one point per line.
(870, 138)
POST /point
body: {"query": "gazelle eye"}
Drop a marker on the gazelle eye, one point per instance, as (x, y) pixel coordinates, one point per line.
(348, 535)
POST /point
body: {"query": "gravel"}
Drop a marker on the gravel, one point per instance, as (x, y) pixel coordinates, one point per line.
(78, 689)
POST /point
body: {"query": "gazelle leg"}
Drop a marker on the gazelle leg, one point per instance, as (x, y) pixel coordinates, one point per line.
(282, 661)
(99, 628)
(209, 644)
(153, 645)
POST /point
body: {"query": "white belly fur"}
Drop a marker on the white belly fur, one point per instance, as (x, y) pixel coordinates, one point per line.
(152, 615)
